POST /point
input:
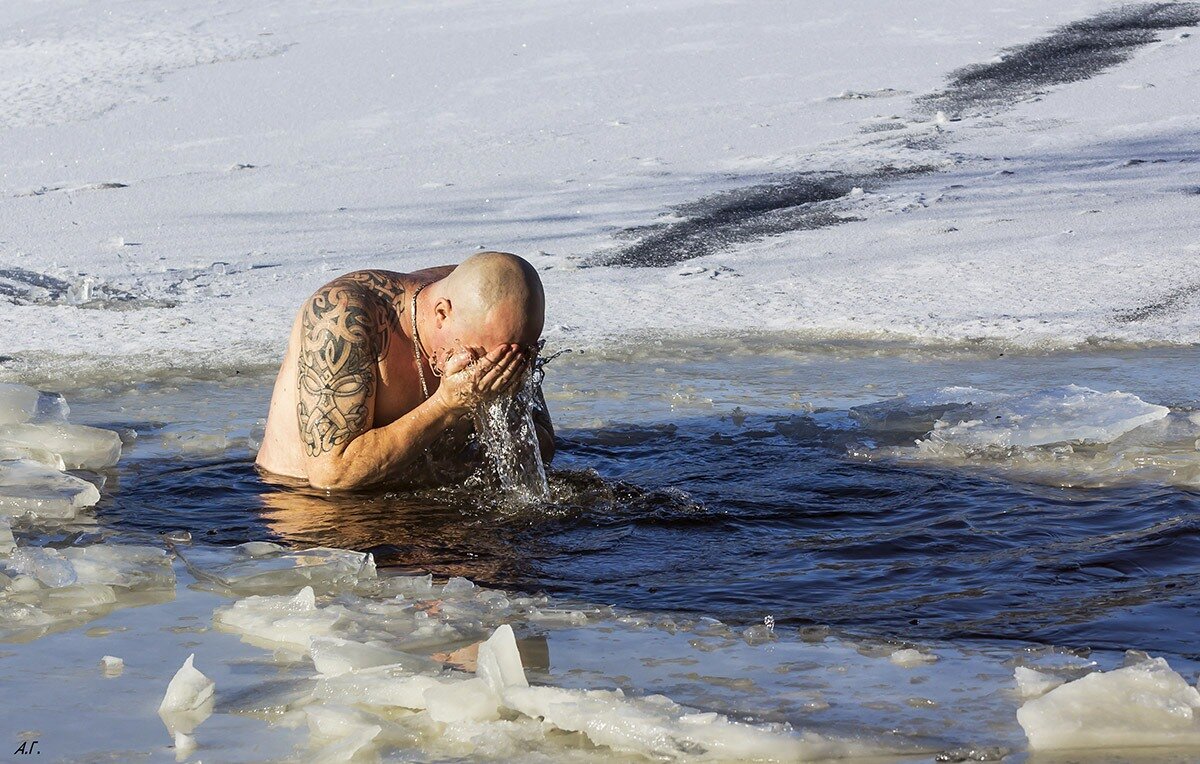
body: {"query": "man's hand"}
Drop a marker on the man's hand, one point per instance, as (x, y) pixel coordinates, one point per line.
(467, 382)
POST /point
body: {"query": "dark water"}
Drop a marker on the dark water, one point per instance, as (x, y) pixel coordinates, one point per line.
(739, 517)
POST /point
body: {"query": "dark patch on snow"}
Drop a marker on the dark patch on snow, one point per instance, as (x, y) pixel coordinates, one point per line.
(1171, 302)
(796, 202)
(802, 201)
(25, 287)
(43, 190)
(882, 127)
(1071, 53)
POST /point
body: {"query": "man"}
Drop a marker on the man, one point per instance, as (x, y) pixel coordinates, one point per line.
(383, 366)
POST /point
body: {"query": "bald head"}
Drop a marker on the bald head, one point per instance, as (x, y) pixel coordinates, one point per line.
(496, 298)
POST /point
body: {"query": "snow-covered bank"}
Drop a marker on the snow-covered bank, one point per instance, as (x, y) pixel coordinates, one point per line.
(174, 182)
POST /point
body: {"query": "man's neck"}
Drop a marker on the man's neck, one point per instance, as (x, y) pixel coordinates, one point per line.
(419, 323)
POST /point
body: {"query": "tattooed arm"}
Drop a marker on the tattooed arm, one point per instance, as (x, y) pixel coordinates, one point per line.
(344, 335)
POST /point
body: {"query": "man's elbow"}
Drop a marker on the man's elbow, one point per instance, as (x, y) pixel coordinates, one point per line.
(334, 473)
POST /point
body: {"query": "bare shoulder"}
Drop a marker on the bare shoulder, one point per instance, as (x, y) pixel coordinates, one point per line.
(436, 273)
(372, 283)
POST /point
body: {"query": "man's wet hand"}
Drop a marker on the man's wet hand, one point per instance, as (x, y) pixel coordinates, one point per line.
(467, 382)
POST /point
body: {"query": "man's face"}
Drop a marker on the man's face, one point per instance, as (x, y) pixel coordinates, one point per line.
(477, 338)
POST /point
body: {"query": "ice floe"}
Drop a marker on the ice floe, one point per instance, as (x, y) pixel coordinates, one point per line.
(27, 487)
(44, 589)
(919, 411)
(1056, 415)
(1068, 435)
(378, 678)
(79, 446)
(1143, 705)
(18, 403)
(37, 446)
(263, 567)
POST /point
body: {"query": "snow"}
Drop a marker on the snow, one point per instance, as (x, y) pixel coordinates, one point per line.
(175, 182)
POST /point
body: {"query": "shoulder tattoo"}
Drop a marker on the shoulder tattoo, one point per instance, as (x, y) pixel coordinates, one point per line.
(344, 335)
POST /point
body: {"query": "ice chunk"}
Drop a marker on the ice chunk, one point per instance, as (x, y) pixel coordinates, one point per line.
(77, 597)
(1032, 683)
(19, 617)
(125, 565)
(112, 665)
(188, 700)
(499, 661)
(468, 700)
(917, 412)
(46, 565)
(908, 658)
(333, 656)
(381, 687)
(52, 408)
(39, 455)
(80, 447)
(657, 728)
(279, 621)
(335, 720)
(346, 748)
(1055, 415)
(29, 487)
(350, 729)
(18, 403)
(7, 542)
(408, 586)
(557, 617)
(263, 571)
(68, 583)
(261, 549)
(458, 587)
(1146, 704)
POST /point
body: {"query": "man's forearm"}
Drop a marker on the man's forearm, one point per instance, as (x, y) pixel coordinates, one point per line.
(380, 452)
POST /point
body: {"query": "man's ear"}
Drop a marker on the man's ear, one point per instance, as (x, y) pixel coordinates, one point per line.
(441, 311)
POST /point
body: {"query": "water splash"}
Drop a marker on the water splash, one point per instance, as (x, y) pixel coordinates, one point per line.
(508, 436)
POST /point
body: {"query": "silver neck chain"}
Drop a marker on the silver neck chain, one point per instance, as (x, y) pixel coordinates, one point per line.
(417, 343)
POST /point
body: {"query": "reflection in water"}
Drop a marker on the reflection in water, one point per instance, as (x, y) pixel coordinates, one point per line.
(470, 530)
